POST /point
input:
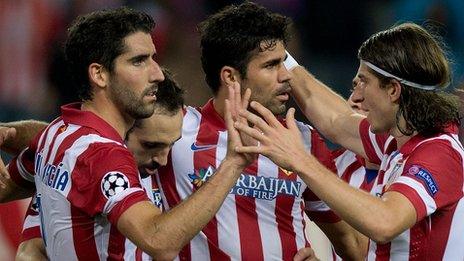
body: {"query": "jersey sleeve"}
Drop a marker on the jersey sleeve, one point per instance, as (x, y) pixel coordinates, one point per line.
(21, 167)
(105, 181)
(31, 226)
(317, 210)
(374, 144)
(432, 177)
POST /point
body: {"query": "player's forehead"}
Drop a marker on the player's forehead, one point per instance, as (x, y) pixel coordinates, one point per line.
(268, 50)
(138, 43)
(161, 127)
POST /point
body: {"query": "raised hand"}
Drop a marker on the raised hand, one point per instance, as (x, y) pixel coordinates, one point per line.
(234, 104)
(283, 145)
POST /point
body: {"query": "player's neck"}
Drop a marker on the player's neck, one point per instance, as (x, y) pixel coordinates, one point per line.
(106, 110)
(219, 101)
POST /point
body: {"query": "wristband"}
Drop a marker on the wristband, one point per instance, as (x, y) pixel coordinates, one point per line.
(290, 62)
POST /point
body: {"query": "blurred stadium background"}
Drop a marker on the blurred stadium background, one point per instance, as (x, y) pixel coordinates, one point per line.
(326, 35)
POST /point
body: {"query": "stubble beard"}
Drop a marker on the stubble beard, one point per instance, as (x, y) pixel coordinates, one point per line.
(127, 102)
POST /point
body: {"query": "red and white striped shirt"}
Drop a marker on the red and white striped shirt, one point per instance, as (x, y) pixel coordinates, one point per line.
(85, 179)
(31, 225)
(429, 172)
(262, 217)
(351, 168)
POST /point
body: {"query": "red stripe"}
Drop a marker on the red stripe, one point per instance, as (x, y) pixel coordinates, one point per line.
(168, 186)
(45, 134)
(30, 233)
(346, 176)
(203, 159)
(368, 143)
(16, 176)
(116, 244)
(248, 229)
(247, 219)
(382, 253)
(284, 219)
(83, 235)
(138, 254)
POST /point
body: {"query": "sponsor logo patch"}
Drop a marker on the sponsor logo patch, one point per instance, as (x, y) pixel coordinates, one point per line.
(114, 183)
(198, 177)
(251, 186)
(424, 175)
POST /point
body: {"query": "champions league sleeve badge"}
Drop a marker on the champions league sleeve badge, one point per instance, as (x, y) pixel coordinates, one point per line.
(113, 183)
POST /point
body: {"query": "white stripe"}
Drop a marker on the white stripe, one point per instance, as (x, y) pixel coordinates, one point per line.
(271, 249)
(316, 206)
(357, 177)
(52, 129)
(298, 220)
(22, 170)
(343, 161)
(371, 256)
(59, 139)
(454, 248)
(228, 228)
(399, 247)
(428, 201)
(31, 221)
(101, 233)
(305, 134)
(374, 143)
(182, 162)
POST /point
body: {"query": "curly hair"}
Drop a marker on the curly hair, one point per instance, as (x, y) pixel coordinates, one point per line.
(98, 37)
(412, 53)
(233, 35)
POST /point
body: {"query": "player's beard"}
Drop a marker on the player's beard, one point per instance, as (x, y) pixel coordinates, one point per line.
(128, 102)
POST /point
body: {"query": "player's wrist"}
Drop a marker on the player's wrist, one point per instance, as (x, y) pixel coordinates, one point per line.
(290, 62)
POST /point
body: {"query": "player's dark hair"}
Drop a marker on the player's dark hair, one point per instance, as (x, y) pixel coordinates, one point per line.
(233, 35)
(98, 37)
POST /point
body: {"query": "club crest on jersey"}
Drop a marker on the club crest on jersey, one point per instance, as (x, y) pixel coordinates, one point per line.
(158, 201)
(198, 177)
(113, 183)
(286, 172)
(424, 175)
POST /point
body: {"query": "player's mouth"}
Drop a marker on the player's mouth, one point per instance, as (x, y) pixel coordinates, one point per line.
(283, 95)
(152, 93)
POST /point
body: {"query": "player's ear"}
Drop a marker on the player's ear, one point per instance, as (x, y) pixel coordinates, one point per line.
(229, 76)
(98, 75)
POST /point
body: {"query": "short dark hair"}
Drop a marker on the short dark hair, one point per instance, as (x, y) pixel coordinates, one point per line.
(170, 96)
(231, 36)
(412, 53)
(99, 37)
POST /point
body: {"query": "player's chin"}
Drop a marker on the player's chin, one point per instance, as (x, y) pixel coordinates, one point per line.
(278, 108)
